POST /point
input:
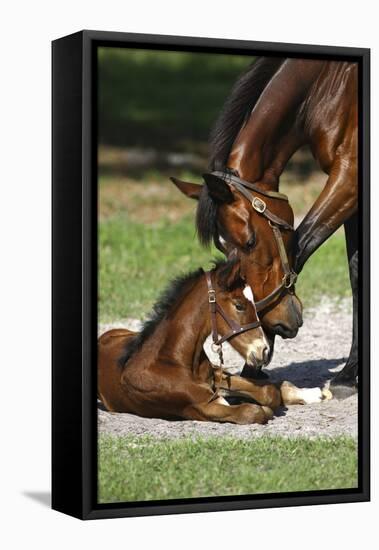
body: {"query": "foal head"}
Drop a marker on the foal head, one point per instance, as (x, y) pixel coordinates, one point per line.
(236, 299)
(227, 217)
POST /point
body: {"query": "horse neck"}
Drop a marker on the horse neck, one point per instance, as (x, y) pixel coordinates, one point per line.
(271, 135)
(182, 333)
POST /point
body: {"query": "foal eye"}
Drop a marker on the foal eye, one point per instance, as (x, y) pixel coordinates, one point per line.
(251, 242)
(240, 307)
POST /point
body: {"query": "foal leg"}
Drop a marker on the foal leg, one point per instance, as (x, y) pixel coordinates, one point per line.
(292, 395)
(344, 383)
(219, 410)
(271, 395)
(264, 393)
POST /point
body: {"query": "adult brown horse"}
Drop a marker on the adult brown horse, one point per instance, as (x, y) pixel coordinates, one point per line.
(164, 372)
(278, 106)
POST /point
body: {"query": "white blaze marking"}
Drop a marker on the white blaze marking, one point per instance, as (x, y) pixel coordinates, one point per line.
(248, 293)
(258, 346)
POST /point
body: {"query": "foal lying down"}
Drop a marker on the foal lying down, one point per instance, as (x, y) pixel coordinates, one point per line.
(163, 371)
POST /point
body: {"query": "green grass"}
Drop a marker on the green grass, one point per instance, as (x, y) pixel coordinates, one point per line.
(133, 469)
(137, 260)
(325, 273)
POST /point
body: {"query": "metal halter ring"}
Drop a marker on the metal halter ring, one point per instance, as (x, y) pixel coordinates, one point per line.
(258, 204)
(216, 348)
(289, 279)
(212, 296)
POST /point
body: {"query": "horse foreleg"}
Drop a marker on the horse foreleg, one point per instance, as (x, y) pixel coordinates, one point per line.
(218, 410)
(292, 395)
(345, 382)
(271, 395)
(263, 392)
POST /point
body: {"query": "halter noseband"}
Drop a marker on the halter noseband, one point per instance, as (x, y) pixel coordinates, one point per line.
(276, 223)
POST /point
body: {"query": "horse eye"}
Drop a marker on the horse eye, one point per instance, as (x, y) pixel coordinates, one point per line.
(240, 307)
(251, 242)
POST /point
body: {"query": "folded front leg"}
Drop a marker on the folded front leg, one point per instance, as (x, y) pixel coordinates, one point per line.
(262, 392)
(218, 410)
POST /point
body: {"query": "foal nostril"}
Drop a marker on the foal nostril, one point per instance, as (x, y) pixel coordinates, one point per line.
(260, 355)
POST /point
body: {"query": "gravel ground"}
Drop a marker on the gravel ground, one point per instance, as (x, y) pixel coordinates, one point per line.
(311, 359)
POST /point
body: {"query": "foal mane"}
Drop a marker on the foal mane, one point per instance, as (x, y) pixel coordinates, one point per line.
(166, 301)
(244, 95)
(175, 291)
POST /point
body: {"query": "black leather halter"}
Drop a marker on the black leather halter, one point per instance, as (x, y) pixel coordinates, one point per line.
(276, 223)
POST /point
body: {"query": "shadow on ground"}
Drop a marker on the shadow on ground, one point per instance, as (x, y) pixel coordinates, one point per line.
(42, 497)
(307, 373)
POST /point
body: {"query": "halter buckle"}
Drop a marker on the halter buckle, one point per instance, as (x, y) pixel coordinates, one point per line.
(212, 296)
(289, 279)
(216, 348)
(258, 204)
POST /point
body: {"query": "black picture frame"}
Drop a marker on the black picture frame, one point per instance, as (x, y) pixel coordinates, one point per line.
(74, 271)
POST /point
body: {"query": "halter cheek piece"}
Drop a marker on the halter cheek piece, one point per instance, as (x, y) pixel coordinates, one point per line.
(235, 328)
(277, 224)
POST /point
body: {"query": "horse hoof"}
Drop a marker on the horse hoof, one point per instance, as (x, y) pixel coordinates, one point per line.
(340, 391)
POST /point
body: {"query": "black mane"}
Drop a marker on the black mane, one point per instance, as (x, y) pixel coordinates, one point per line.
(170, 297)
(244, 95)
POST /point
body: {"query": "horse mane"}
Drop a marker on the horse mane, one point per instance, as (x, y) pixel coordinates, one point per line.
(243, 96)
(239, 104)
(176, 289)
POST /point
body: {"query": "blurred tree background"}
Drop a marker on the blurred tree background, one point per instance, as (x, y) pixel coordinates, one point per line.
(162, 99)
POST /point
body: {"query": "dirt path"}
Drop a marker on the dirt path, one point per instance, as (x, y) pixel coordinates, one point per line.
(311, 359)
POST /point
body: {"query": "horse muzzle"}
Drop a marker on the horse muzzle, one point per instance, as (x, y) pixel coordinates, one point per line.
(258, 354)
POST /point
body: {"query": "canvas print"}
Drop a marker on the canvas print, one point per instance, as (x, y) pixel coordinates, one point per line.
(228, 236)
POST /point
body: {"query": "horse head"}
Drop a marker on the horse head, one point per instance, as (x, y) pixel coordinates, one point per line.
(227, 217)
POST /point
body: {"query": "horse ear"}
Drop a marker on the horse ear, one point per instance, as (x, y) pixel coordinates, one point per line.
(218, 189)
(191, 190)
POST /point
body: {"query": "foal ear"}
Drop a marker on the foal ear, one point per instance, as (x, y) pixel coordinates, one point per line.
(230, 275)
(218, 189)
(191, 190)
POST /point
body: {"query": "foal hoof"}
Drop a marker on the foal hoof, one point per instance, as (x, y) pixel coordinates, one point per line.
(255, 374)
(340, 391)
(326, 394)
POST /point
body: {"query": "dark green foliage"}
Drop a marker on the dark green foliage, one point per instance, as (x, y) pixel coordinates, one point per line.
(164, 100)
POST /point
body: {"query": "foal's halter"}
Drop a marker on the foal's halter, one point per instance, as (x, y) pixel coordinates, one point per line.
(277, 224)
(235, 328)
